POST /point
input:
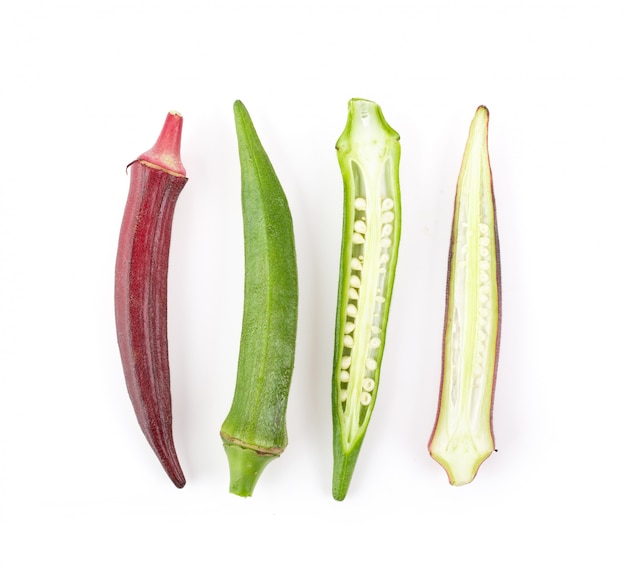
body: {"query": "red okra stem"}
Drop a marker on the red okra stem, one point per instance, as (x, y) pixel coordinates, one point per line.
(157, 178)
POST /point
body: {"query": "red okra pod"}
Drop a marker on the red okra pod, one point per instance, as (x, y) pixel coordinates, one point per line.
(157, 178)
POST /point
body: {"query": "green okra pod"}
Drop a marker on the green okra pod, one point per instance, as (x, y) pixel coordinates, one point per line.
(254, 432)
(369, 155)
(462, 438)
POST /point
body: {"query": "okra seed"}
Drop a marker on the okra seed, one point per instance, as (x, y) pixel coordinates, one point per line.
(375, 330)
(349, 327)
(346, 362)
(483, 241)
(368, 384)
(484, 253)
(387, 217)
(360, 226)
(385, 242)
(384, 258)
(360, 204)
(355, 264)
(344, 376)
(483, 228)
(366, 398)
(387, 204)
(355, 281)
(351, 310)
(358, 238)
(380, 299)
(375, 342)
(387, 230)
(353, 294)
(343, 395)
(483, 264)
(370, 364)
(348, 341)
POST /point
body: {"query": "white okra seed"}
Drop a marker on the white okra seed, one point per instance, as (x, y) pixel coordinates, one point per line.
(370, 364)
(343, 395)
(387, 217)
(351, 310)
(384, 258)
(356, 265)
(385, 242)
(358, 238)
(375, 342)
(346, 362)
(387, 230)
(379, 299)
(353, 294)
(366, 398)
(349, 327)
(387, 204)
(360, 204)
(355, 281)
(368, 384)
(344, 376)
(360, 227)
(348, 341)
(375, 329)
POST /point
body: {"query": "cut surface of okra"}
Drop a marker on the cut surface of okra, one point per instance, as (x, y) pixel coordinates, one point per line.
(462, 438)
(369, 154)
(254, 432)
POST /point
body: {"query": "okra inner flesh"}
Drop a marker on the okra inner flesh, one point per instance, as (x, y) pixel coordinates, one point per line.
(372, 241)
(463, 435)
(369, 153)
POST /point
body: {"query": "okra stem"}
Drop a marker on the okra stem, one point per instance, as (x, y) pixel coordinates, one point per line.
(462, 438)
(254, 432)
(369, 155)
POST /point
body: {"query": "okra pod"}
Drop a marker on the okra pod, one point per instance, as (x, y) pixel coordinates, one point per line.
(369, 155)
(157, 178)
(254, 432)
(462, 438)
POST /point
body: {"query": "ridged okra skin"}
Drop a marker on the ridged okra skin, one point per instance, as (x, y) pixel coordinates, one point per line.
(369, 157)
(462, 438)
(254, 432)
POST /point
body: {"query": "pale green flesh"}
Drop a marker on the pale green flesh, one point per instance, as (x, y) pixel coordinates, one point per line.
(463, 436)
(368, 154)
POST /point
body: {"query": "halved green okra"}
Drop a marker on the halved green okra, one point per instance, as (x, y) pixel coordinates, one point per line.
(463, 435)
(369, 156)
(254, 432)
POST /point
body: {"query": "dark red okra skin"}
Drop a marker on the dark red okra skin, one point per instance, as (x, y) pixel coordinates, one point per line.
(141, 305)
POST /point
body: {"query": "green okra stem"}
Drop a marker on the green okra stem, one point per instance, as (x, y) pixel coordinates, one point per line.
(462, 438)
(254, 432)
(369, 154)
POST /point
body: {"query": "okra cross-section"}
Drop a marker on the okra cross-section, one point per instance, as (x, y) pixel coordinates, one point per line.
(369, 154)
(463, 435)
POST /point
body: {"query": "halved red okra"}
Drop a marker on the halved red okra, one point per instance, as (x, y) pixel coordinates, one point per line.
(369, 155)
(157, 178)
(462, 438)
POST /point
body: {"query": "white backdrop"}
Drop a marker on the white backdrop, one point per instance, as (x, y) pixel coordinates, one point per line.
(85, 89)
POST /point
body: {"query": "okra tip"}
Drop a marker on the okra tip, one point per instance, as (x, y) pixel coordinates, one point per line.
(246, 466)
(165, 153)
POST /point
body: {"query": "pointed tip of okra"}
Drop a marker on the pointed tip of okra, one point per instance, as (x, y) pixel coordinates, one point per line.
(246, 466)
(165, 153)
(343, 469)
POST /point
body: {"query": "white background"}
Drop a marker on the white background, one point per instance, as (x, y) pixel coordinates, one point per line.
(85, 89)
